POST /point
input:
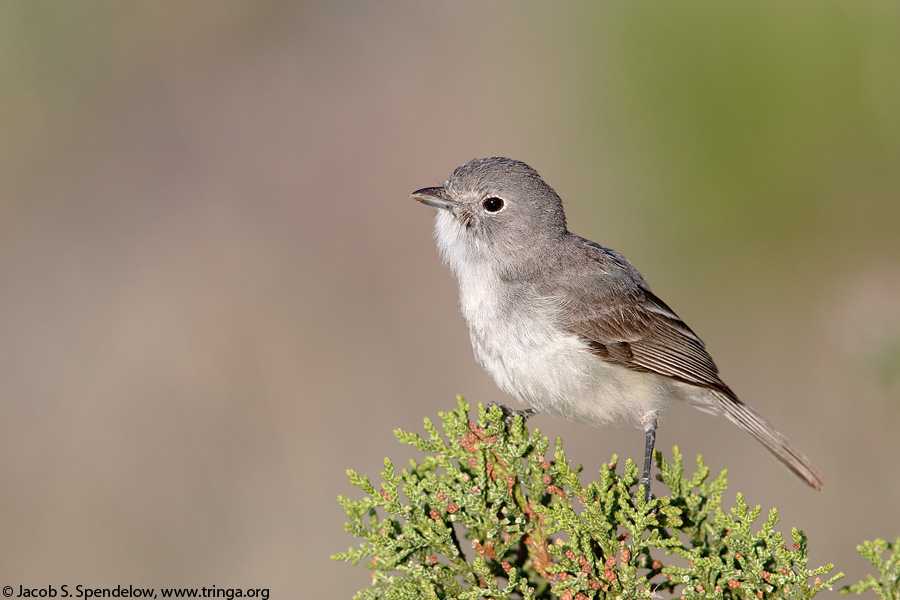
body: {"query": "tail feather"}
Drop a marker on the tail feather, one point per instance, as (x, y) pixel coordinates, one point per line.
(746, 418)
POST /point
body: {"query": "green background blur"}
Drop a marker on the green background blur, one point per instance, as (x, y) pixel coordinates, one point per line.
(216, 296)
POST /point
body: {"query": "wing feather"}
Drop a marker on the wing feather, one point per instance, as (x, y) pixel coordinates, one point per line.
(623, 322)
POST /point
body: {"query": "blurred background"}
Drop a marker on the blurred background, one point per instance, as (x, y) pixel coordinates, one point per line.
(216, 296)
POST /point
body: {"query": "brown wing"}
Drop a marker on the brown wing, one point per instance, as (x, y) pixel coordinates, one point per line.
(610, 306)
(625, 323)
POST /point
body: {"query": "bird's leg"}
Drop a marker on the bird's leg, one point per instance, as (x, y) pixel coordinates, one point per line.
(649, 423)
(512, 413)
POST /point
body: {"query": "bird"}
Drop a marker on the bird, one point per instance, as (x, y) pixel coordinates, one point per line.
(567, 326)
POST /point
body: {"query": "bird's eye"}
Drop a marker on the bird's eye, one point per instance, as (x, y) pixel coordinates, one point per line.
(492, 204)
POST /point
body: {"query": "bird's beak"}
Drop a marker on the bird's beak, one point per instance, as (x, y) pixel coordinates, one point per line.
(434, 196)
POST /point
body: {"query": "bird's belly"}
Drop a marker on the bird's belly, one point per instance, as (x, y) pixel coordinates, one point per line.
(555, 372)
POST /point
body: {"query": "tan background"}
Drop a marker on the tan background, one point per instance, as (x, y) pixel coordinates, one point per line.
(215, 295)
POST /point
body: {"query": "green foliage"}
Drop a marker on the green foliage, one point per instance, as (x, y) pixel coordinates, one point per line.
(489, 513)
(887, 586)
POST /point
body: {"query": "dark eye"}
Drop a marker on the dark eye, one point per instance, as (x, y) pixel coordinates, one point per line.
(492, 204)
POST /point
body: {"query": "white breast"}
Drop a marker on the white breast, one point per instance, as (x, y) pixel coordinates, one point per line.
(516, 338)
(519, 344)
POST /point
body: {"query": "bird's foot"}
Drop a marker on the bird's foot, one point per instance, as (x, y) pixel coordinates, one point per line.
(648, 495)
(512, 413)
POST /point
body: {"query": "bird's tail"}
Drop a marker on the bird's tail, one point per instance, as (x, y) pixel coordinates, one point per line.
(746, 418)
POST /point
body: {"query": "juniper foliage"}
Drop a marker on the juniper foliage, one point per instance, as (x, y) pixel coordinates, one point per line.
(489, 512)
(885, 557)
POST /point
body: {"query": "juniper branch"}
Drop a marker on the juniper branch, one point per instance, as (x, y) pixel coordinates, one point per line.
(537, 532)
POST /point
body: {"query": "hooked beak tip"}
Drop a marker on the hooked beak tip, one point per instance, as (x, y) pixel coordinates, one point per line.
(434, 196)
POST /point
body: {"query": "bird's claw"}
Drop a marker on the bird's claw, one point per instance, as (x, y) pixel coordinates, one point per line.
(512, 413)
(648, 495)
